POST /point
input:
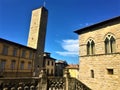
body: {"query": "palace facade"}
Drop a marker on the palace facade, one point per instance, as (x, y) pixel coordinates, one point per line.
(100, 55)
(16, 60)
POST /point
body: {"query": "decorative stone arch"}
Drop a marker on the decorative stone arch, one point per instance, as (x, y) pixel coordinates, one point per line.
(90, 38)
(110, 43)
(109, 33)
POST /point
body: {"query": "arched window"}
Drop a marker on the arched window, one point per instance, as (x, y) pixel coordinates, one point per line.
(90, 47)
(109, 44)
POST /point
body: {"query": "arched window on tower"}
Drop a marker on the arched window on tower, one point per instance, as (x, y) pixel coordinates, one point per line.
(90, 47)
(109, 44)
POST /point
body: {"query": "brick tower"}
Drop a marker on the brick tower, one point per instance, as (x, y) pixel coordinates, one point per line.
(37, 34)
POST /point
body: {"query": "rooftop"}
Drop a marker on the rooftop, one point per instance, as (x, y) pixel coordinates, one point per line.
(82, 30)
(72, 66)
(17, 44)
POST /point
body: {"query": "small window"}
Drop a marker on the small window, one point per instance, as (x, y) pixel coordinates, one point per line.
(51, 71)
(29, 65)
(15, 52)
(52, 63)
(13, 64)
(5, 50)
(3, 64)
(48, 62)
(47, 71)
(30, 55)
(22, 65)
(23, 53)
(92, 73)
(110, 71)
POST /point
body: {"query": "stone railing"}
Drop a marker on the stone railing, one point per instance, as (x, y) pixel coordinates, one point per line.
(56, 83)
(19, 83)
(42, 83)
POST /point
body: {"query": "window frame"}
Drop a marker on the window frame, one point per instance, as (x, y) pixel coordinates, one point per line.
(13, 64)
(90, 46)
(5, 50)
(110, 44)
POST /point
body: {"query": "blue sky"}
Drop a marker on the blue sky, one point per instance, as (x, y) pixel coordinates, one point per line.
(65, 16)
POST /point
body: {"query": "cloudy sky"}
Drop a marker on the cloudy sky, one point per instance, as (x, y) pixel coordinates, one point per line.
(65, 16)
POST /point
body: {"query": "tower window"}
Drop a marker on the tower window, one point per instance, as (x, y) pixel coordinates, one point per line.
(109, 44)
(90, 47)
(110, 71)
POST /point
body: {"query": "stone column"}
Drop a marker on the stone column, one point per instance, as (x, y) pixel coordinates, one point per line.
(67, 76)
(42, 85)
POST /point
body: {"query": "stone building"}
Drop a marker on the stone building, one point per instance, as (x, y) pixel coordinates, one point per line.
(100, 55)
(16, 60)
(49, 64)
(73, 70)
(59, 67)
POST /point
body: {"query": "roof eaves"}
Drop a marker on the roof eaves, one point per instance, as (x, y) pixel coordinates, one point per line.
(79, 31)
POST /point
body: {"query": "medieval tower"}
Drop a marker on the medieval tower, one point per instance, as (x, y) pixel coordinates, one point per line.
(37, 34)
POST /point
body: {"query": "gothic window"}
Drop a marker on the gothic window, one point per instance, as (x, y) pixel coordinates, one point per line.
(109, 44)
(90, 47)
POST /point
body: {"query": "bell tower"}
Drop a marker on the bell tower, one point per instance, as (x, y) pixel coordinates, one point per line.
(37, 34)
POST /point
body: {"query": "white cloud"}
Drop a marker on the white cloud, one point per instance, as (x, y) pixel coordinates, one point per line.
(70, 47)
